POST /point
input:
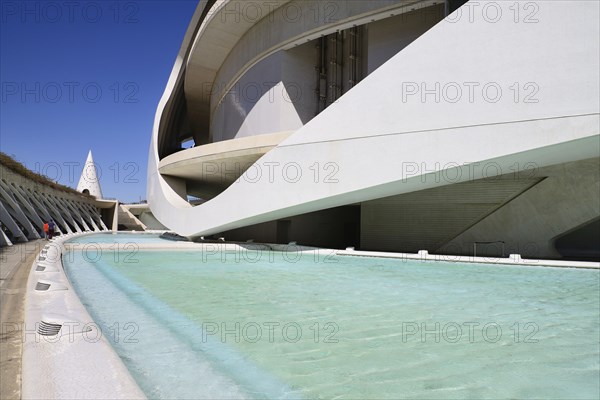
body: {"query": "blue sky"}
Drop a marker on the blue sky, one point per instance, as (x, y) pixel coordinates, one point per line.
(83, 75)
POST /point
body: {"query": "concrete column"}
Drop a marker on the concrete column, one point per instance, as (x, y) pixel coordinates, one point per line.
(18, 214)
(94, 213)
(66, 214)
(10, 223)
(41, 209)
(86, 213)
(54, 213)
(4, 240)
(76, 214)
(27, 207)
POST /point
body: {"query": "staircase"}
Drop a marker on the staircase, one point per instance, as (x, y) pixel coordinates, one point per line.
(127, 219)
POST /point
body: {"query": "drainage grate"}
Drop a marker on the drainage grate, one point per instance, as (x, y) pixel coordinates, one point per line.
(48, 329)
(40, 268)
(42, 286)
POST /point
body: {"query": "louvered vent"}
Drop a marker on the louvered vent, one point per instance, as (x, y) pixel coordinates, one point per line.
(48, 329)
(40, 268)
(42, 286)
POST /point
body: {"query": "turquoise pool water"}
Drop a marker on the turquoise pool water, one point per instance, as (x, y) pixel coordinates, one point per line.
(191, 324)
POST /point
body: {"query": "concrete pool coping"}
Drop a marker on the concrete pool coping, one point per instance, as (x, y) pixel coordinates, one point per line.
(79, 362)
(422, 255)
(513, 259)
(65, 354)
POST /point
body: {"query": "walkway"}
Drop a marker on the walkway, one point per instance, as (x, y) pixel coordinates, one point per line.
(14, 271)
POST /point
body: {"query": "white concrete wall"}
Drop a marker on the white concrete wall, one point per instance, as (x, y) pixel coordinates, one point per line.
(300, 79)
(259, 103)
(427, 219)
(567, 198)
(151, 223)
(275, 95)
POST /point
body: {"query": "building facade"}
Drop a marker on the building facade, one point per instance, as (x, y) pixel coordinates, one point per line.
(26, 204)
(392, 125)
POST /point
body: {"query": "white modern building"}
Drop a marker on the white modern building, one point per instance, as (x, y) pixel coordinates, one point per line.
(392, 125)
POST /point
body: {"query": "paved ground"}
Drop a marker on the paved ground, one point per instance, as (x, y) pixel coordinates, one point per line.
(15, 263)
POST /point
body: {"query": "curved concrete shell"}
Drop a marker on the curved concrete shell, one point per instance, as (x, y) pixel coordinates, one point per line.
(368, 103)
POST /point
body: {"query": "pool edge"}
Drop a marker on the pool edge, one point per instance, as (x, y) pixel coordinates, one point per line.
(51, 362)
(512, 260)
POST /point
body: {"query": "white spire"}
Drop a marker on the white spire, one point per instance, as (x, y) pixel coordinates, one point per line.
(90, 178)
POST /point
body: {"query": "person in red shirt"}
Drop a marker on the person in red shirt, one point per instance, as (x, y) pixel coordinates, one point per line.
(45, 230)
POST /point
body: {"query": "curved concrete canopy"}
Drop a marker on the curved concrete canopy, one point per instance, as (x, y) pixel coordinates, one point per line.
(211, 168)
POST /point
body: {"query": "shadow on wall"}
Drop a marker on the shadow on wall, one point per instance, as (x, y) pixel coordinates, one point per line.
(580, 243)
(275, 95)
(334, 228)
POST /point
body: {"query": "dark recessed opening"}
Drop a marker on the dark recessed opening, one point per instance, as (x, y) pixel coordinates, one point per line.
(581, 243)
